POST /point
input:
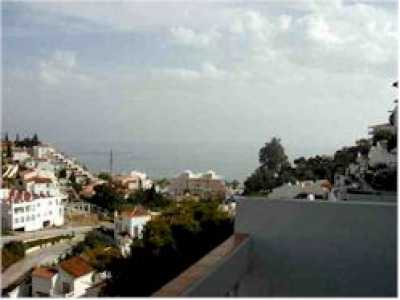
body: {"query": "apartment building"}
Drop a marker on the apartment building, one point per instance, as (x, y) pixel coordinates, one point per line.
(43, 151)
(204, 185)
(28, 211)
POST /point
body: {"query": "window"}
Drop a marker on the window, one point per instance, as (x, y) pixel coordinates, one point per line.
(22, 219)
(18, 210)
(66, 287)
(136, 231)
(16, 220)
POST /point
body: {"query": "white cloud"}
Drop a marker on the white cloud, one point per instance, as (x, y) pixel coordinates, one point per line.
(189, 37)
(309, 65)
(61, 67)
(284, 22)
(207, 71)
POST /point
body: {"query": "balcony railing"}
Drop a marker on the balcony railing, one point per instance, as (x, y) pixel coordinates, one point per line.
(213, 275)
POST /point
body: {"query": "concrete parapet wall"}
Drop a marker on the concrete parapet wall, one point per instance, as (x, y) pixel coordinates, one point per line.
(302, 248)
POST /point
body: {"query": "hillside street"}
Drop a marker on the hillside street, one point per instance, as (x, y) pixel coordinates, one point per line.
(42, 256)
(47, 233)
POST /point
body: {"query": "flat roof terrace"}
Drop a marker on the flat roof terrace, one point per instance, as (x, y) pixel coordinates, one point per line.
(299, 248)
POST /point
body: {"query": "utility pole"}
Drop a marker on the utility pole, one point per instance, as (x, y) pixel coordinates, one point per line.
(111, 162)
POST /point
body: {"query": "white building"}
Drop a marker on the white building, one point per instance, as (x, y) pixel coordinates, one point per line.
(23, 210)
(146, 183)
(307, 189)
(201, 184)
(41, 185)
(20, 155)
(129, 224)
(72, 278)
(379, 155)
(42, 151)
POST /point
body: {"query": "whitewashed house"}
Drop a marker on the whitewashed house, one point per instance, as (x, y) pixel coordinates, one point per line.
(27, 211)
(20, 155)
(146, 183)
(72, 278)
(41, 185)
(129, 224)
(42, 151)
(43, 164)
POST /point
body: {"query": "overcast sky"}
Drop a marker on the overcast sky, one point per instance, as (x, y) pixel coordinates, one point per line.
(314, 73)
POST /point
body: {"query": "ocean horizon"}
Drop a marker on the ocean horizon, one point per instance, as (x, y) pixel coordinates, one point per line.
(159, 159)
(164, 159)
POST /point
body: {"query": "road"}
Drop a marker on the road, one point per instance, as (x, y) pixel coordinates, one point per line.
(42, 256)
(47, 233)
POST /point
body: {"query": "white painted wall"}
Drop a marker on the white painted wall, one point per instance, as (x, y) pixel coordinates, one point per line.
(20, 156)
(42, 151)
(379, 155)
(43, 285)
(31, 215)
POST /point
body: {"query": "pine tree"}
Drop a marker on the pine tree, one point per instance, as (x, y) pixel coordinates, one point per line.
(35, 140)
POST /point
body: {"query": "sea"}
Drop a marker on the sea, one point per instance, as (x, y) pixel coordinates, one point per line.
(232, 160)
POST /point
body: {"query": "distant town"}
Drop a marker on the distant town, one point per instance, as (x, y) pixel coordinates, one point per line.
(69, 233)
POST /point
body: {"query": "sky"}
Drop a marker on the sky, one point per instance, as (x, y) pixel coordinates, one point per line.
(232, 74)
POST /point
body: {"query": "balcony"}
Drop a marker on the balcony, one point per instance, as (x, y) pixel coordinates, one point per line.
(299, 248)
(227, 263)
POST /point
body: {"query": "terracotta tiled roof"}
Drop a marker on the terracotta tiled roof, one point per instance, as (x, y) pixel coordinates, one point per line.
(38, 179)
(16, 196)
(76, 266)
(137, 211)
(44, 272)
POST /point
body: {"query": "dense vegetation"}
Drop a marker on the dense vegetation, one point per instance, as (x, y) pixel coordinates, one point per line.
(98, 248)
(275, 169)
(11, 253)
(26, 142)
(108, 197)
(382, 179)
(51, 240)
(172, 242)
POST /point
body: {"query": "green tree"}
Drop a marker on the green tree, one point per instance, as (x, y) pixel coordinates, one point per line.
(11, 253)
(171, 243)
(382, 135)
(35, 140)
(273, 171)
(364, 146)
(62, 173)
(107, 197)
(105, 176)
(272, 156)
(8, 151)
(235, 184)
(149, 198)
(72, 178)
